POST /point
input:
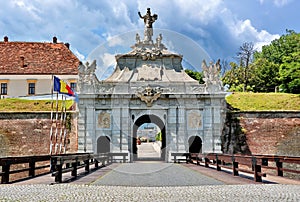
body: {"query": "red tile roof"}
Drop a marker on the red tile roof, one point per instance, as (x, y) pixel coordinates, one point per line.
(37, 58)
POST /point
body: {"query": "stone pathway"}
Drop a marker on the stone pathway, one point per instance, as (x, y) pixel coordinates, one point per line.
(152, 174)
(151, 182)
(71, 192)
(146, 150)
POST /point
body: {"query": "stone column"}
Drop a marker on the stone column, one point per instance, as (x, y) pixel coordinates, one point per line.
(90, 129)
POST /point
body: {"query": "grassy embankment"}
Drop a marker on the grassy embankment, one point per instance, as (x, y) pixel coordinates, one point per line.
(240, 101)
(21, 105)
(264, 101)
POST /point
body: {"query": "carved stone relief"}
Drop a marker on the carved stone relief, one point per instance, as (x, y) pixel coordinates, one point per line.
(104, 120)
(194, 119)
(149, 95)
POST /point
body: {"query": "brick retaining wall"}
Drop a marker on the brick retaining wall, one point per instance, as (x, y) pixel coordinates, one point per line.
(261, 132)
(272, 132)
(29, 133)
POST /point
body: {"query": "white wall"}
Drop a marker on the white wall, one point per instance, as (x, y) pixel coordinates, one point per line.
(17, 85)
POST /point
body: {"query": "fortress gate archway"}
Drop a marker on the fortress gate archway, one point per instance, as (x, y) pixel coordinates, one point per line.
(149, 84)
(149, 119)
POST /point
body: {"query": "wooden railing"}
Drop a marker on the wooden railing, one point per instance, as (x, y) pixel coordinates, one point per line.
(56, 164)
(71, 163)
(254, 164)
(30, 164)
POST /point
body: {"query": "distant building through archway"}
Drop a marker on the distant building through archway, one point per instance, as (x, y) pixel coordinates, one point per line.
(149, 119)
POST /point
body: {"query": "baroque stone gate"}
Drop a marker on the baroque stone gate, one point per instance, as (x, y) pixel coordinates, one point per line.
(149, 85)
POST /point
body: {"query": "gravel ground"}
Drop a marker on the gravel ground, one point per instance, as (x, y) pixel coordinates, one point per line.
(71, 192)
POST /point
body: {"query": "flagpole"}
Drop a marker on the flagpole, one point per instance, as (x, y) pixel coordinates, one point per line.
(51, 116)
(61, 123)
(61, 87)
(64, 126)
(56, 120)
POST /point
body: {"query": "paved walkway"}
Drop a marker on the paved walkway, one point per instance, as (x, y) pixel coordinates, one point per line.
(72, 192)
(146, 150)
(152, 174)
(152, 181)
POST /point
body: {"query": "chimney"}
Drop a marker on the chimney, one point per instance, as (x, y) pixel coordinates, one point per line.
(22, 61)
(54, 39)
(68, 45)
(5, 39)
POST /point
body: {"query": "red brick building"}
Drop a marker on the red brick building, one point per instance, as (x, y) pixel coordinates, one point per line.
(26, 68)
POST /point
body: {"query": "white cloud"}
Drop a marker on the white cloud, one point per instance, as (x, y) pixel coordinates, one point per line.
(115, 41)
(278, 3)
(108, 59)
(264, 38)
(247, 33)
(105, 66)
(87, 24)
(244, 31)
(80, 56)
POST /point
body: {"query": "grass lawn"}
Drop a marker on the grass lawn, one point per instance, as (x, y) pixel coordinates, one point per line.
(21, 105)
(240, 101)
(264, 101)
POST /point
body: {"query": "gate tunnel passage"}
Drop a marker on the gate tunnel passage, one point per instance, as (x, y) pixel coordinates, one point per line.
(149, 119)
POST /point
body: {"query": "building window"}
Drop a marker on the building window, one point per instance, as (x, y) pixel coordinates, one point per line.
(73, 86)
(31, 88)
(3, 88)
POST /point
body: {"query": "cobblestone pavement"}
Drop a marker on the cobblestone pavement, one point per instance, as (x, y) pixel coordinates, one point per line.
(71, 192)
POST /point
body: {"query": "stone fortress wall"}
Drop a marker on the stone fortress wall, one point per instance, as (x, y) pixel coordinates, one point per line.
(25, 134)
(275, 133)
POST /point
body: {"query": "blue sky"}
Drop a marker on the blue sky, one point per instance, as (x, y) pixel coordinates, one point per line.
(218, 26)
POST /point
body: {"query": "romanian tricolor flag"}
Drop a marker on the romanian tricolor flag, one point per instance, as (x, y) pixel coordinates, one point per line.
(62, 87)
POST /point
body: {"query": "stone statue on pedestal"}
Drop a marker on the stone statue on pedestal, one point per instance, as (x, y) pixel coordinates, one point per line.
(212, 76)
(148, 20)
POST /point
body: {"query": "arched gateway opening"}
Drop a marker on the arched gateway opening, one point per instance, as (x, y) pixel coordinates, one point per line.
(103, 144)
(195, 144)
(154, 120)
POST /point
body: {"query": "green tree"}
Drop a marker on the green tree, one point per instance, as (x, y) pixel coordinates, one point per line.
(235, 79)
(195, 75)
(283, 54)
(266, 76)
(245, 55)
(290, 73)
(286, 45)
(277, 65)
(158, 136)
